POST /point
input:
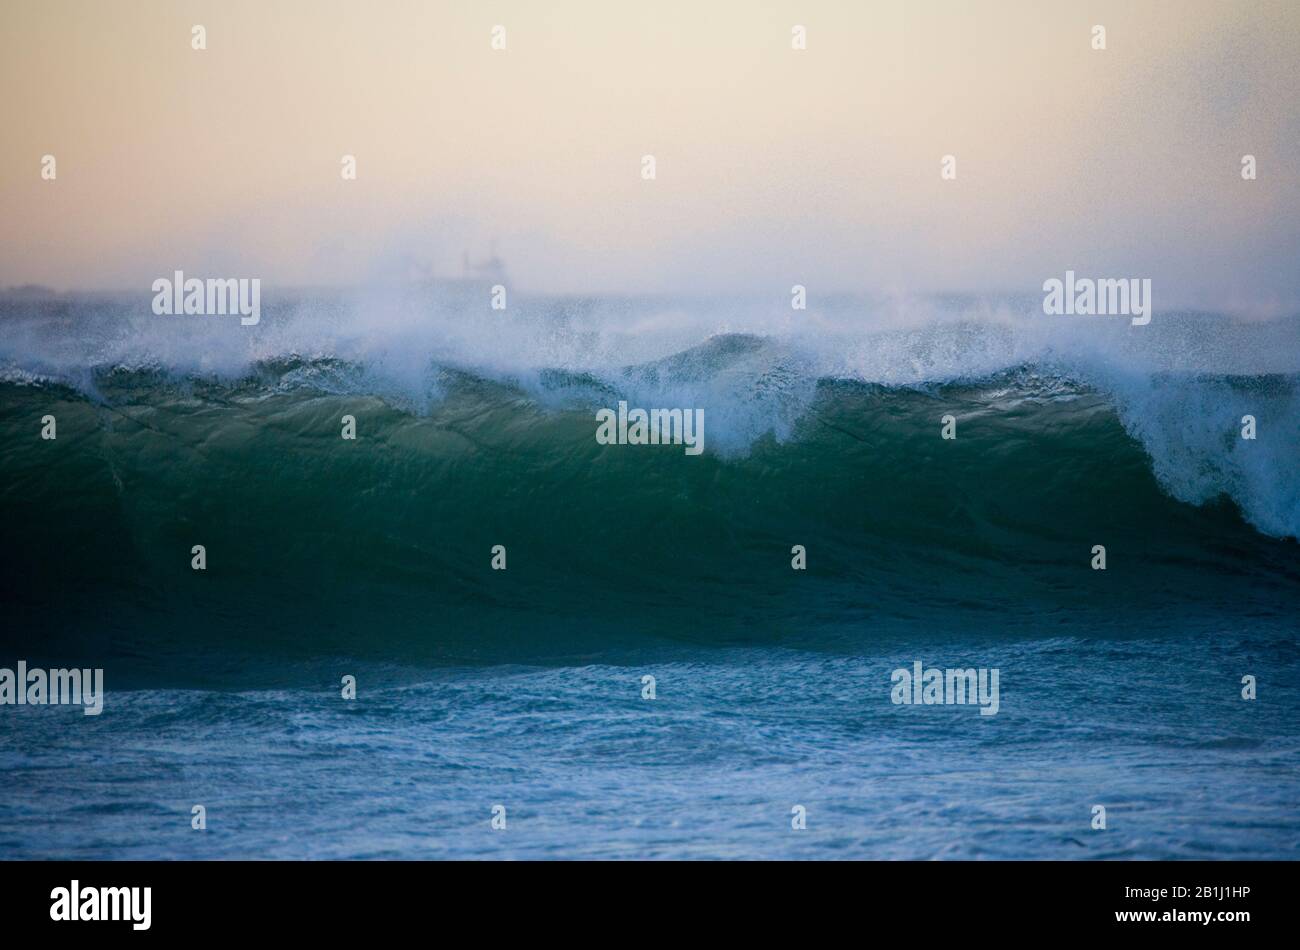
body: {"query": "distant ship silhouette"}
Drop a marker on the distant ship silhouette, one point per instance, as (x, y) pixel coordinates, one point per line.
(480, 276)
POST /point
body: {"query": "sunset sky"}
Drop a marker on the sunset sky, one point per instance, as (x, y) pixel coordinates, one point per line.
(774, 166)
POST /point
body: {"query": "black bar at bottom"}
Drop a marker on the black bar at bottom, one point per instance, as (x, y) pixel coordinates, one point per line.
(333, 899)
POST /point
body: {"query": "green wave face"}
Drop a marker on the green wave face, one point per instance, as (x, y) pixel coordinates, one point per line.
(382, 546)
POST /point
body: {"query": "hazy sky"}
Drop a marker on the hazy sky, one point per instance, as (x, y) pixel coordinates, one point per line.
(774, 166)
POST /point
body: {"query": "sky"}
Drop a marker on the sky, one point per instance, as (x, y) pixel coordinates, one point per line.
(773, 166)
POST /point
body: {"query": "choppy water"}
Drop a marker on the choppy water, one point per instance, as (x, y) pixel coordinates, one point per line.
(1154, 730)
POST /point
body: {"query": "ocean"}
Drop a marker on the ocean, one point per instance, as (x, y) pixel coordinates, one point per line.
(507, 713)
